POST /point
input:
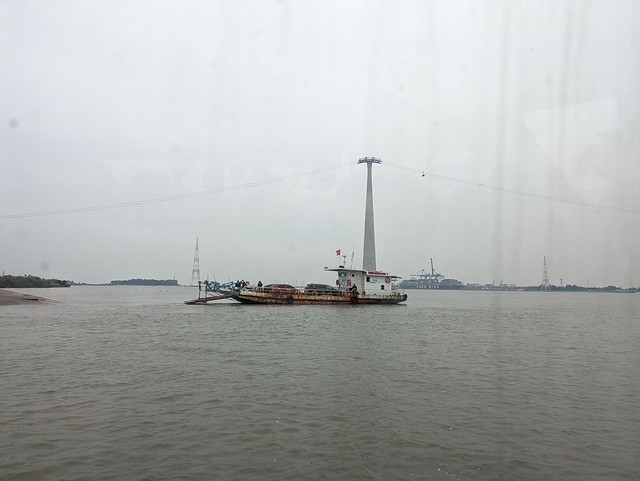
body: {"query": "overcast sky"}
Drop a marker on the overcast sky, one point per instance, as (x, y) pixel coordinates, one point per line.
(523, 115)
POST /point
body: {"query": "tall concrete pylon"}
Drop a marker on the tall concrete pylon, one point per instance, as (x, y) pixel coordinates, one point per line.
(369, 249)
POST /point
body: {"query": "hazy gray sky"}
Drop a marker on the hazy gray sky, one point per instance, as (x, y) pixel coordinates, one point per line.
(104, 103)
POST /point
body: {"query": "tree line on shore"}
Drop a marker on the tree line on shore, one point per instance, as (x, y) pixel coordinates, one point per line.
(145, 282)
(16, 282)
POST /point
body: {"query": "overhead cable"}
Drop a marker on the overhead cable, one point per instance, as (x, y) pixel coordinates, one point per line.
(514, 191)
(169, 198)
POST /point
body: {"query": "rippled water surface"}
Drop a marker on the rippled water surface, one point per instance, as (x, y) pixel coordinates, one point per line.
(116, 383)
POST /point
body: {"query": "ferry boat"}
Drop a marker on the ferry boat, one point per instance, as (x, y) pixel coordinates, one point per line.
(353, 286)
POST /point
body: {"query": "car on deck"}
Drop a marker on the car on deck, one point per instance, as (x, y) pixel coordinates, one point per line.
(323, 289)
(280, 289)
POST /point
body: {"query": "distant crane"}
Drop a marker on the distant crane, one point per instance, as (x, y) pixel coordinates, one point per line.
(433, 276)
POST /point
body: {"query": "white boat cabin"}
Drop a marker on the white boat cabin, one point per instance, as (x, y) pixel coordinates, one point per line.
(369, 283)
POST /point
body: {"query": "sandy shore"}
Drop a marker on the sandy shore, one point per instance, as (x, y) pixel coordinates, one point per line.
(8, 298)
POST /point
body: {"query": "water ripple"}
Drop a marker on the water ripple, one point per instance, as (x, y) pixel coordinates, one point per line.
(451, 386)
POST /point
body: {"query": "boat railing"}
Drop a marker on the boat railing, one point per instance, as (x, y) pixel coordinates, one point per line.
(275, 290)
(324, 292)
(300, 291)
(386, 293)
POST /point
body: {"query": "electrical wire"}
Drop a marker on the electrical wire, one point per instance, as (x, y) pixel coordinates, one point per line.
(514, 191)
(169, 198)
(309, 173)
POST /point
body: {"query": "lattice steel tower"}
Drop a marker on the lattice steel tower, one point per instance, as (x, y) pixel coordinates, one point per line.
(545, 275)
(195, 274)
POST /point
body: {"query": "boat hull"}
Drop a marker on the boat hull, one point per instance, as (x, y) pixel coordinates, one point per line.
(253, 297)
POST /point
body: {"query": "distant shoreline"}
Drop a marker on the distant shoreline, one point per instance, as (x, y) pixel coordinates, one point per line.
(490, 288)
(11, 298)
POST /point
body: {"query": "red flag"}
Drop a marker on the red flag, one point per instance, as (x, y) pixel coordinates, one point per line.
(338, 252)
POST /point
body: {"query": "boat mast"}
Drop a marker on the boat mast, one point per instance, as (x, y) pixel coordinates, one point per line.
(369, 250)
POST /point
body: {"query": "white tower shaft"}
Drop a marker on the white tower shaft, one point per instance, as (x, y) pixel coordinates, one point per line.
(369, 249)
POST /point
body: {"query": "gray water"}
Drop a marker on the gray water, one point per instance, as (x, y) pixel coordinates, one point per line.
(123, 383)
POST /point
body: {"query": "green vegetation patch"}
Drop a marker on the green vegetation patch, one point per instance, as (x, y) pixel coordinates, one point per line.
(7, 281)
(145, 282)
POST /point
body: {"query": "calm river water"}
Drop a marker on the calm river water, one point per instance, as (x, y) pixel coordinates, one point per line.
(125, 383)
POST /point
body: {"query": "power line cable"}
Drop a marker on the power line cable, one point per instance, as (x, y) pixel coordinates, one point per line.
(169, 198)
(514, 191)
(305, 174)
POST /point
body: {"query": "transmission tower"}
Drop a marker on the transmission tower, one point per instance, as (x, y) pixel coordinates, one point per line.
(545, 275)
(195, 274)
